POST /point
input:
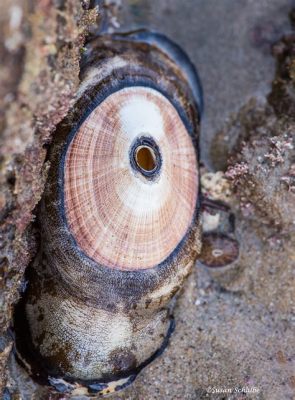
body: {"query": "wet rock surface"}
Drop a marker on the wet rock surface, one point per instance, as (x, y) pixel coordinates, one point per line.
(40, 46)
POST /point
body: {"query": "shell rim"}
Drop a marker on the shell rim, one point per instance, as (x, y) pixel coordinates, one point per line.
(173, 51)
(28, 362)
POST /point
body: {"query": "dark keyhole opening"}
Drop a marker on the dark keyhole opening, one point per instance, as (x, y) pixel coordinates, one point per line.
(145, 158)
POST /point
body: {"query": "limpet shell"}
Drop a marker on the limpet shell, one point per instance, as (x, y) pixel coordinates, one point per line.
(119, 218)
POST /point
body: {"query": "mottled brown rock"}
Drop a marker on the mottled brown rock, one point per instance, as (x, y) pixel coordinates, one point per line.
(40, 45)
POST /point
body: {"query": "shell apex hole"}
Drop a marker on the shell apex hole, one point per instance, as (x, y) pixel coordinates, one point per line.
(145, 158)
(217, 253)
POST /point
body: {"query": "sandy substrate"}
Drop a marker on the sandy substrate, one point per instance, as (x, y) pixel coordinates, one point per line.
(229, 41)
(235, 331)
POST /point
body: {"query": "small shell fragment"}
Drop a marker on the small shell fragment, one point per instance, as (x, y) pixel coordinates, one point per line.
(218, 250)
